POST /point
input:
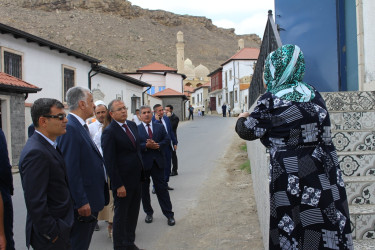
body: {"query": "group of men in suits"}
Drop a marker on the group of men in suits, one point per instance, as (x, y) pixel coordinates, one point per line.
(64, 176)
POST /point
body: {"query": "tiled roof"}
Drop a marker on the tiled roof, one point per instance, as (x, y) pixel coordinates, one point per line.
(5, 29)
(11, 83)
(188, 89)
(245, 54)
(168, 92)
(207, 84)
(244, 86)
(156, 67)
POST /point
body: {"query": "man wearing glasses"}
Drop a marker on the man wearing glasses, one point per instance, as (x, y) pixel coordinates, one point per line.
(122, 154)
(85, 168)
(44, 179)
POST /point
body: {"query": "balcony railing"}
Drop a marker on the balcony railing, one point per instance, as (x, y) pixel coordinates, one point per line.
(271, 41)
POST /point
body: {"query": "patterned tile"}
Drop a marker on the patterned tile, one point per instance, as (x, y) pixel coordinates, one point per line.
(354, 141)
(352, 121)
(357, 165)
(365, 226)
(364, 244)
(349, 100)
(360, 192)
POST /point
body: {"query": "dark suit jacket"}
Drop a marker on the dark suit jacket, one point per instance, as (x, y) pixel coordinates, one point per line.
(45, 184)
(174, 123)
(169, 129)
(6, 178)
(123, 160)
(159, 136)
(84, 165)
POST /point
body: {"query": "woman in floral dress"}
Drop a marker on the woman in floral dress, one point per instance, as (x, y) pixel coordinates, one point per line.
(308, 204)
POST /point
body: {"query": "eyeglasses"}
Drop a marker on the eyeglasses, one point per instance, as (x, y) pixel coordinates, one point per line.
(59, 116)
(119, 109)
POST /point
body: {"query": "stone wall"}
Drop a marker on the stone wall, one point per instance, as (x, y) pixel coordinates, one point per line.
(177, 103)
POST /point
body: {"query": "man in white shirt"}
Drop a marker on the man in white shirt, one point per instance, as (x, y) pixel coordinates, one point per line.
(97, 126)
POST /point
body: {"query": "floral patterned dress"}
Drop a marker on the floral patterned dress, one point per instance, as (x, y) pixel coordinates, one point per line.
(308, 203)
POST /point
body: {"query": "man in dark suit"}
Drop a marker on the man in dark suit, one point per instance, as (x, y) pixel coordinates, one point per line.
(6, 192)
(164, 120)
(154, 140)
(44, 179)
(174, 123)
(122, 154)
(85, 167)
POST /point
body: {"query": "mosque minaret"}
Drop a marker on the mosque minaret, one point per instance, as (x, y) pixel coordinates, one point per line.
(180, 46)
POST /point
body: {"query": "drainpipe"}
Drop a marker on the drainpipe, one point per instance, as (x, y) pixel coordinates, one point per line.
(90, 76)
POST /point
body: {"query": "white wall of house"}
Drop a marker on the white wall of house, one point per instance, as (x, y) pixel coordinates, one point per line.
(114, 88)
(157, 80)
(232, 72)
(174, 81)
(244, 97)
(366, 41)
(44, 67)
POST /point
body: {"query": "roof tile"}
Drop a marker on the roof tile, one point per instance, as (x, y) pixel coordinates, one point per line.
(9, 80)
(155, 66)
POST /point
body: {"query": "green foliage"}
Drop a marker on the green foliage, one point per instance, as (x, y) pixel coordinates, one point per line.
(244, 147)
(246, 166)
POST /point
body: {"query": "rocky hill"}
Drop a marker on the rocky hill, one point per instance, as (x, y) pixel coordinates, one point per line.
(124, 36)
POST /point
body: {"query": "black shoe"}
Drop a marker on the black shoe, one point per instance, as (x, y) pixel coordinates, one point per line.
(174, 173)
(153, 190)
(171, 221)
(170, 188)
(148, 218)
(97, 227)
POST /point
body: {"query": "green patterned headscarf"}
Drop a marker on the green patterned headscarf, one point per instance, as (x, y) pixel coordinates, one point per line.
(283, 73)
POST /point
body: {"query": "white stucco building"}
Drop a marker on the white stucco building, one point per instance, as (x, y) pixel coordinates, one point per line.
(160, 77)
(55, 69)
(240, 66)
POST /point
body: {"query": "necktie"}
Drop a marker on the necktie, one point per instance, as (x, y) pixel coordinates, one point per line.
(149, 131)
(87, 128)
(127, 130)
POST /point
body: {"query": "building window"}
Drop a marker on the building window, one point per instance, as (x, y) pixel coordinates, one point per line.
(201, 98)
(13, 64)
(230, 74)
(151, 91)
(68, 79)
(235, 96)
(226, 79)
(193, 100)
(161, 88)
(226, 97)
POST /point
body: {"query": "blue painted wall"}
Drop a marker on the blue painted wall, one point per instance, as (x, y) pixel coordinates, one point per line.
(351, 45)
(312, 25)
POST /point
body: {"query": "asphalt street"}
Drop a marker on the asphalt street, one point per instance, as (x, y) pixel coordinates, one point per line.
(201, 144)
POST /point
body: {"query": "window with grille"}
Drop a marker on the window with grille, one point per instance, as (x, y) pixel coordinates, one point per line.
(13, 64)
(69, 80)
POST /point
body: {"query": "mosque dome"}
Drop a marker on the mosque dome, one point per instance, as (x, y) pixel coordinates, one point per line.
(201, 71)
(188, 62)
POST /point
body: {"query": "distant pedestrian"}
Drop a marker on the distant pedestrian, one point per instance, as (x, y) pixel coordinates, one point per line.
(191, 112)
(44, 179)
(229, 110)
(6, 192)
(224, 109)
(199, 112)
(174, 122)
(203, 109)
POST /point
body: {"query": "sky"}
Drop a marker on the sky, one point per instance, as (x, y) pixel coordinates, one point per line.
(245, 16)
